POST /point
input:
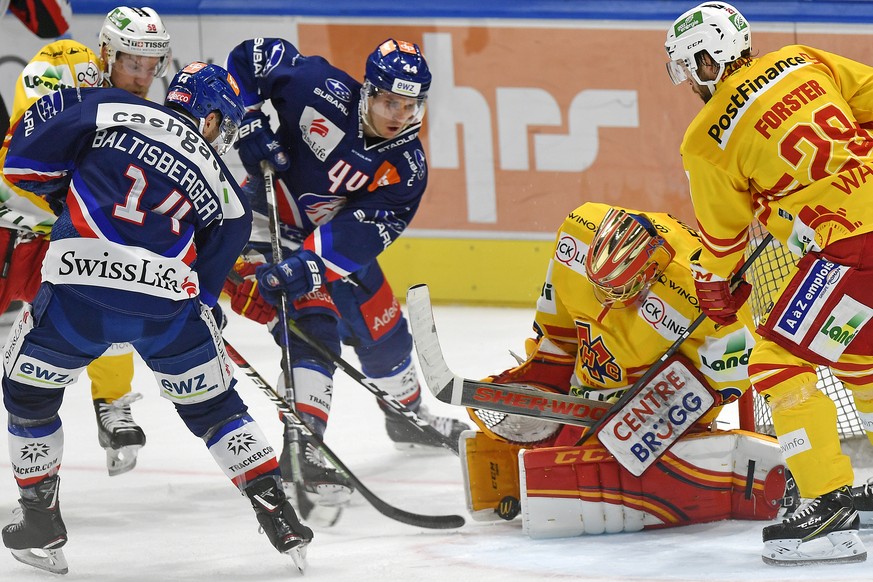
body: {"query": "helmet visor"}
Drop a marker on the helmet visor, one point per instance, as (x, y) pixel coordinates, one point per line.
(678, 71)
(391, 106)
(227, 133)
(139, 66)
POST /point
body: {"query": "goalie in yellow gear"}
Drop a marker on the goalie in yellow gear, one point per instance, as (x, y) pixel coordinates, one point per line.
(618, 292)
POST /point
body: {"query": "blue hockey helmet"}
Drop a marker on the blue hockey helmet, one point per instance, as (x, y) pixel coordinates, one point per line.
(201, 88)
(396, 67)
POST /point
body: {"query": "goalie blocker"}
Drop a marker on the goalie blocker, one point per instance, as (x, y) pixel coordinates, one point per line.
(570, 491)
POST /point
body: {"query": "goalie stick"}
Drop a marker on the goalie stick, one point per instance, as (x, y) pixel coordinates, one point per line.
(450, 388)
(292, 417)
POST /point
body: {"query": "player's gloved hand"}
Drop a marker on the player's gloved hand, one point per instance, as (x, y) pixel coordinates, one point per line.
(718, 302)
(245, 299)
(297, 275)
(257, 142)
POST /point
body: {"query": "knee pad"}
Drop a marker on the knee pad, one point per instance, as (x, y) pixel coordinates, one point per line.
(313, 391)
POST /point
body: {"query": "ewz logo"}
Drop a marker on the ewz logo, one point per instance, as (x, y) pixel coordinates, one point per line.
(186, 386)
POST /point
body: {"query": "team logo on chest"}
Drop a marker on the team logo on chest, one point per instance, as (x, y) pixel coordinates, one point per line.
(595, 357)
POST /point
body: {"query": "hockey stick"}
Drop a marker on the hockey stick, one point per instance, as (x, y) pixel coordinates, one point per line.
(292, 431)
(438, 438)
(293, 418)
(631, 392)
(450, 388)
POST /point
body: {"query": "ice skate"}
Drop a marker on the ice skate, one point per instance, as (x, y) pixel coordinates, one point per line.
(37, 538)
(324, 491)
(407, 437)
(791, 500)
(118, 434)
(862, 498)
(278, 520)
(823, 531)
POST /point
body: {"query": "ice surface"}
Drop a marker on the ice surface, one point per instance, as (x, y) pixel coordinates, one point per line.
(176, 517)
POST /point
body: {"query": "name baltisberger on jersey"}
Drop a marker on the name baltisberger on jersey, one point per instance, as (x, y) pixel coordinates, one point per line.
(117, 124)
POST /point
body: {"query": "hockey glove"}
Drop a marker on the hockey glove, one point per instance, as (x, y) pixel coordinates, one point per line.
(257, 142)
(297, 275)
(242, 287)
(718, 302)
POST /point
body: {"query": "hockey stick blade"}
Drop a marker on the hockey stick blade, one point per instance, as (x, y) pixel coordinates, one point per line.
(450, 388)
(288, 413)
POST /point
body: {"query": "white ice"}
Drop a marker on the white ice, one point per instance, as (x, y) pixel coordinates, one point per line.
(176, 517)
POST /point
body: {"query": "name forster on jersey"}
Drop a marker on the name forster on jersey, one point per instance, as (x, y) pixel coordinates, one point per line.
(748, 91)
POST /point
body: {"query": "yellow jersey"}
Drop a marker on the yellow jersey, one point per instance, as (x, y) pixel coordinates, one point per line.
(785, 139)
(58, 65)
(615, 347)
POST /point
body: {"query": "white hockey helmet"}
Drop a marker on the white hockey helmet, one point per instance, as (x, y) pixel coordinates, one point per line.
(715, 27)
(135, 31)
(626, 256)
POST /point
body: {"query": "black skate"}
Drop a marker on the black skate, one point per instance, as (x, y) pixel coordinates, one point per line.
(407, 437)
(803, 538)
(118, 434)
(862, 498)
(324, 491)
(791, 500)
(38, 537)
(278, 520)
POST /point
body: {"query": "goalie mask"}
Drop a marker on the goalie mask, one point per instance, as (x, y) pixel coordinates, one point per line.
(625, 257)
(715, 27)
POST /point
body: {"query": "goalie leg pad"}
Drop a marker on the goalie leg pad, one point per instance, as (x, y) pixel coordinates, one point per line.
(570, 491)
(490, 470)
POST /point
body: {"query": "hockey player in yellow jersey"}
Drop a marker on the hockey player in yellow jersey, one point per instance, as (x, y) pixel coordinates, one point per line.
(618, 293)
(783, 138)
(134, 49)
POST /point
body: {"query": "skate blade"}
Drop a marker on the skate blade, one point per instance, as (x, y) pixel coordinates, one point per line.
(49, 560)
(121, 460)
(298, 556)
(839, 547)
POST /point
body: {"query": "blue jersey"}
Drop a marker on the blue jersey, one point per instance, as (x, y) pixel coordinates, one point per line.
(147, 214)
(348, 196)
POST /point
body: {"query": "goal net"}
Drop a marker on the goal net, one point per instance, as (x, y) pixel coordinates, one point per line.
(766, 275)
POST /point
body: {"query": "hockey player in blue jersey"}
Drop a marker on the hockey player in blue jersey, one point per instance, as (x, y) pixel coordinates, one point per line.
(149, 224)
(351, 172)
